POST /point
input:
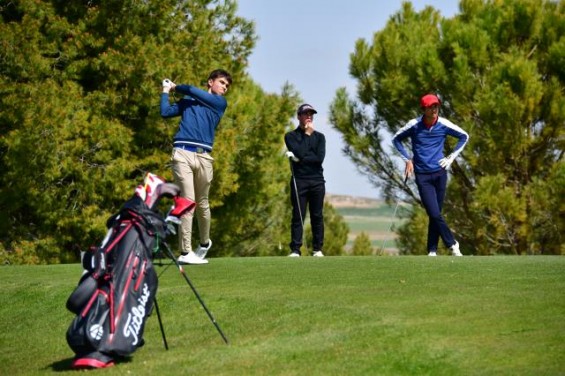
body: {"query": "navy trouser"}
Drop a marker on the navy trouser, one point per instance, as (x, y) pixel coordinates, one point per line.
(432, 189)
(310, 192)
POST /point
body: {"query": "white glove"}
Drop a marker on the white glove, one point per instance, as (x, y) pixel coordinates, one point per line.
(167, 85)
(291, 155)
(446, 162)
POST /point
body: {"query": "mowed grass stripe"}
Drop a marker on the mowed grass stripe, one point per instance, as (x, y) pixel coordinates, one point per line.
(331, 316)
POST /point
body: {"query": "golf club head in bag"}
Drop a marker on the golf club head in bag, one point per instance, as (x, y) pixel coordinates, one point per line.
(154, 187)
(181, 205)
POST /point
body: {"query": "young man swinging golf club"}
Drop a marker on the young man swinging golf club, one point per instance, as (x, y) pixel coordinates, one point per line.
(427, 134)
(306, 152)
(200, 112)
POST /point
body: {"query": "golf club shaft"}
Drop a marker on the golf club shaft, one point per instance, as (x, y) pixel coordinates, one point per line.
(297, 196)
(297, 200)
(391, 223)
(394, 214)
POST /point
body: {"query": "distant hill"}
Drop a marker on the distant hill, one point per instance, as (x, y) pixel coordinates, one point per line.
(344, 201)
(370, 216)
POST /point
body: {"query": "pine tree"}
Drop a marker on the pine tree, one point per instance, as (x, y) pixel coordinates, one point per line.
(362, 245)
(80, 122)
(335, 232)
(499, 69)
(79, 103)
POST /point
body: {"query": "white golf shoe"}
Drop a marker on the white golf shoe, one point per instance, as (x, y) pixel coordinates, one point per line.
(455, 250)
(318, 254)
(192, 259)
(294, 254)
(202, 251)
(432, 254)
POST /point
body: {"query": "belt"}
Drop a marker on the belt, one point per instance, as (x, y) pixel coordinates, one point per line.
(193, 149)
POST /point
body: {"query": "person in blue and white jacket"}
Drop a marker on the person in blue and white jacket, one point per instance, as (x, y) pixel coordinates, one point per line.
(200, 112)
(427, 134)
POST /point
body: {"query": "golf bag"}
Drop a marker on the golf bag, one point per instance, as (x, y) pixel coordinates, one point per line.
(117, 291)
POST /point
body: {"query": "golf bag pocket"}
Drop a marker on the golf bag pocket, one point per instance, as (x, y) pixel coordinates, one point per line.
(92, 325)
(82, 294)
(112, 319)
(133, 301)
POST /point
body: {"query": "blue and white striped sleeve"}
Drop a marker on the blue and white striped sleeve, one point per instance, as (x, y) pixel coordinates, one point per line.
(400, 136)
(459, 133)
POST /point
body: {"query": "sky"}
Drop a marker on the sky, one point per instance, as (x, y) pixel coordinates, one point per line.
(307, 43)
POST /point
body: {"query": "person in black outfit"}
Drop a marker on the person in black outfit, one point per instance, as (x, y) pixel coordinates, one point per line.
(306, 151)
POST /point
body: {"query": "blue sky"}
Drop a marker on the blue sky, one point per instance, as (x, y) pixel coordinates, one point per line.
(307, 43)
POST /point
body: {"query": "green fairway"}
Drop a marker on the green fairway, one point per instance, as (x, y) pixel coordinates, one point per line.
(404, 315)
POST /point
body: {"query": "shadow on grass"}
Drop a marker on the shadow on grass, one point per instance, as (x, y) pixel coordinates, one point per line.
(62, 365)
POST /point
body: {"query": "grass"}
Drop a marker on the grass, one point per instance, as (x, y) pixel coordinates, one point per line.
(405, 315)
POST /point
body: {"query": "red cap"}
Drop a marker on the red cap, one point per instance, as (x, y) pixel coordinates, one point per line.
(429, 100)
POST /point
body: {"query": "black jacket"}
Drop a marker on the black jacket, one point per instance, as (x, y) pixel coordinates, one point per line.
(310, 150)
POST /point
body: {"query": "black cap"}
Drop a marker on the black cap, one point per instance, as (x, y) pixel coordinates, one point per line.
(304, 108)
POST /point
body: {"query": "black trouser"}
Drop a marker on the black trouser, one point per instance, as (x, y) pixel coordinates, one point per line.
(311, 193)
(432, 189)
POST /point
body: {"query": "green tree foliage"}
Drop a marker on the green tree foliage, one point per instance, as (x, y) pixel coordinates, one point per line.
(335, 231)
(80, 124)
(362, 245)
(251, 212)
(499, 67)
(412, 233)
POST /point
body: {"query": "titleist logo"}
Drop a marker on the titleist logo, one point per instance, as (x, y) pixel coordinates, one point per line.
(135, 317)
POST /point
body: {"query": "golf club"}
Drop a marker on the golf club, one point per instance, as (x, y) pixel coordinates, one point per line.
(290, 157)
(393, 215)
(296, 193)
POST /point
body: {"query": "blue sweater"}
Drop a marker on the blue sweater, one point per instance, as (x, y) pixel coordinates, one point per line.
(200, 113)
(427, 144)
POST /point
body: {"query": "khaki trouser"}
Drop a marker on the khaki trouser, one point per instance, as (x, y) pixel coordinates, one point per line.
(193, 174)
